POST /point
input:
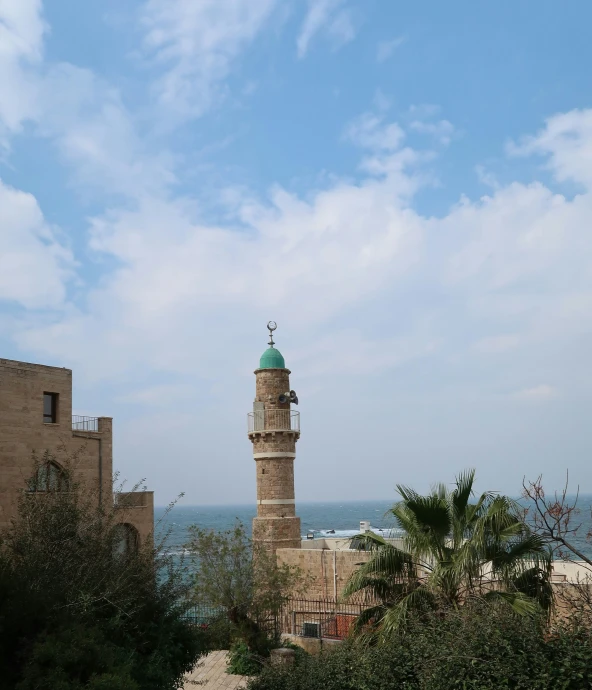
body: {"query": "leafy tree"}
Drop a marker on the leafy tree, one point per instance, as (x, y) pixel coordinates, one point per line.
(454, 549)
(77, 613)
(242, 581)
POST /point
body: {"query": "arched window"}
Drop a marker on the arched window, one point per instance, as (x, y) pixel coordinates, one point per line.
(126, 539)
(49, 477)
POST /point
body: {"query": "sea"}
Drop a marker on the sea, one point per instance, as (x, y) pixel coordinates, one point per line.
(319, 520)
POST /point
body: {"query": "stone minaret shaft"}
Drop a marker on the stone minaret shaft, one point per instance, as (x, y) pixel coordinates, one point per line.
(274, 430)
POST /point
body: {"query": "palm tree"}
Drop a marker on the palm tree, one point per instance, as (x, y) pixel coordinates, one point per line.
(453, 550)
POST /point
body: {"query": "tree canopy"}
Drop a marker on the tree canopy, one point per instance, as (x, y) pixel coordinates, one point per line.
(455, 547)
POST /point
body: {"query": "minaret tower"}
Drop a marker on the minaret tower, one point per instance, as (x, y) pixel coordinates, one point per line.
(274, 429)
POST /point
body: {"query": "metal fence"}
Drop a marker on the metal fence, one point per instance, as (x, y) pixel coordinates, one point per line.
(320, 618)
(203, 616)
(273, 420)
(80, 423)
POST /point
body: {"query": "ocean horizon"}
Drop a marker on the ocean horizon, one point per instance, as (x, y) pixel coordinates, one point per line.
(324, 519)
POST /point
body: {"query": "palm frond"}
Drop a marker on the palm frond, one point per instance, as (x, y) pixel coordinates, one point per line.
(378, 588)
(418, 599)
(431, 514)
(535, 583)
(463, 491)
(512, 554)
(388, 562)
(522, 604)
(369, 540)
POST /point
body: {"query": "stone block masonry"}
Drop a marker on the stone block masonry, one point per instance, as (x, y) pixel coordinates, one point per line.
(26, 426)
(329, 570)
(274, 450)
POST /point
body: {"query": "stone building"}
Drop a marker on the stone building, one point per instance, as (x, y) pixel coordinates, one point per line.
(35, 416)
(274, 429)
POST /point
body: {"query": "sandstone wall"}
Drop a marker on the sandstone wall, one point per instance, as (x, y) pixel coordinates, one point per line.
(23, 432)
(329, 570)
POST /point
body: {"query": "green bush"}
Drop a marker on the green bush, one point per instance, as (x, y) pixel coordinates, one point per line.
(75, 613)
(77, 658)
(477, 647)
(242, 661)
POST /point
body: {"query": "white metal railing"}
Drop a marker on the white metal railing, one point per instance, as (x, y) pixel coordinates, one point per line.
(274, 420)
(80, 423)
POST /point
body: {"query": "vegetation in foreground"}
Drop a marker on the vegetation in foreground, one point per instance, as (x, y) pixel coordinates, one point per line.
(244, 583)
(454, 548)
(438, 624)
(480, 646)
(75, 614)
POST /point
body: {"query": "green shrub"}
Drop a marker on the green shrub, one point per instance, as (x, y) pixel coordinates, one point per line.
(477, 647)
(300, 653)
(570, 659)
(331, 670)
(242, 661)
(76, 658)
(74, 613)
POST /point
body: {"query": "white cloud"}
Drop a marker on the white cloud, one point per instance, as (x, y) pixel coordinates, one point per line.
(97, 136)
(371, 132)
(21, 29)
(513, 236)
(567, 142)
(541, 393)
(343, 245)
(21, 46)
(486, 178)
(196, 44)
(386, 48)
(34, 265)
(330, 17)
(441, 130)
(352, 266)
(317, 256)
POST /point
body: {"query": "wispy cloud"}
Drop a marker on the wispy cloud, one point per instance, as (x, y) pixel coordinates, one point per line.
(195, 44)
(22, 30)
(331, 17)
(385, 49)
(442, 130)
(34, 264)
(370, 131)
(566, 141)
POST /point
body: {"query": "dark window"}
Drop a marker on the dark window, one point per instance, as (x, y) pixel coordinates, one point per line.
(50, 408)
(49, 477)
(126, 539)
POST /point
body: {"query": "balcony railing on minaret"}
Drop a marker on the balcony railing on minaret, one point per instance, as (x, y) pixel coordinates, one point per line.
(274, 420)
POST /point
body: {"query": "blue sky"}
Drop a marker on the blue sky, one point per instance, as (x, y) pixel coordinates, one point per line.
(404, 187)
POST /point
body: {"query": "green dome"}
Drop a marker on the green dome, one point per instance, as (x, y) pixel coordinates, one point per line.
(272, 359)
